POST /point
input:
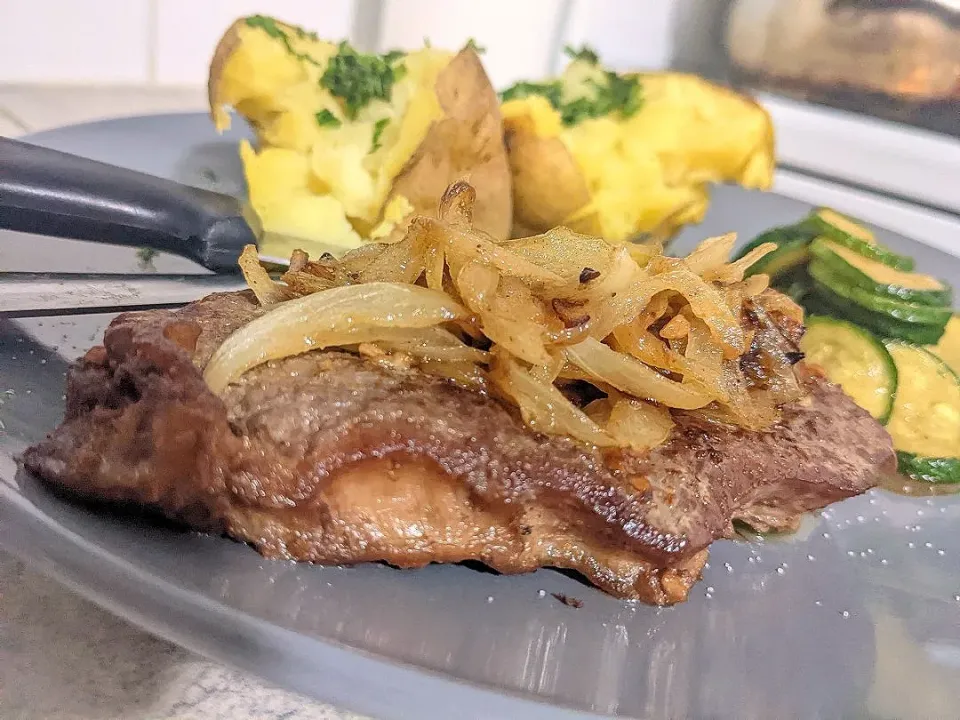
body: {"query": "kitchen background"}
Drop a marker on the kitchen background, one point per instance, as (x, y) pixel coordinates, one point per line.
(64, 61)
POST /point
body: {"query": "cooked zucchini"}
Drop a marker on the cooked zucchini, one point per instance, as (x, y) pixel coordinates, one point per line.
(875, 252)
(795, 284)
(880, 279)
(948, 349)
(886, 316)
(933, 470)
(854, 359)
(792, 243)
(925, 422)
(833, 225)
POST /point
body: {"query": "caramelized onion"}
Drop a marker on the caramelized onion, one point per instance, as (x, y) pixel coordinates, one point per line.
(528, 317)
(631, 376)
(267, 291)
(340, 316)
(543, 407)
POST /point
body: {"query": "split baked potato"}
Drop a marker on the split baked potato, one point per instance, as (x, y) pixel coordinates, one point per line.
(628, 155)
(351, 144)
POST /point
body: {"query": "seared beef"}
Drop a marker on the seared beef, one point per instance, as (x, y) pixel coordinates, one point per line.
(335, 459)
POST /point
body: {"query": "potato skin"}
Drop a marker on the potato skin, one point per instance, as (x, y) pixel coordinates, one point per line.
(225, 48)
(548, 187)
(466, 144)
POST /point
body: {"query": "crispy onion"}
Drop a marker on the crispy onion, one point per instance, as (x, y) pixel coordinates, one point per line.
(258, 280)
(535, 319)
(340, 316)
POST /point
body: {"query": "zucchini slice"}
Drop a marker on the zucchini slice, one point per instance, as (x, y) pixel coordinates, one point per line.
(887, 317)
(791, 252)
(948, 349)
(932, 470)
(925, 422)
(875, 252)
(880, 279)
(788, 256)
(833, 225)
(855, 360)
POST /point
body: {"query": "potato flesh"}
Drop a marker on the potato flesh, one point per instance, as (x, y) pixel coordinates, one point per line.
(321, 183)
(649, 173)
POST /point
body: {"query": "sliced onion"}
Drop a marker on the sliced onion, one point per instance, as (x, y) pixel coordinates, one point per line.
(543, 407)
(467, 374)
(633, 377)
(712, 253)
(708, 304)
(267, 291)
(647, 347)
(433, 343)
(339, 316)
(638, 425)
(734, 272)
(704, 359)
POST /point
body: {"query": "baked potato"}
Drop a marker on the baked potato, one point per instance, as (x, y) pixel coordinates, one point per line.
(351, 144)
(628, 155)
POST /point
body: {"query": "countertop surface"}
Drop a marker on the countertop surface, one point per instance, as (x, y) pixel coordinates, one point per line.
(61, 657)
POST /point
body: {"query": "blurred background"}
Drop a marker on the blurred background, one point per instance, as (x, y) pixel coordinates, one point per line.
(862, 92)
(842, 78)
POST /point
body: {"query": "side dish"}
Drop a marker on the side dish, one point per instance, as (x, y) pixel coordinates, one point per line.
(352, 144)
(555, 401)
(885, 332)
(621, 155)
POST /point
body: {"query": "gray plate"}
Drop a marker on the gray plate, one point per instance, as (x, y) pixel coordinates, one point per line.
(856, 616)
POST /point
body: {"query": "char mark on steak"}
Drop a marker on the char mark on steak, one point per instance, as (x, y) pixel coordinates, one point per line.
(330, 458)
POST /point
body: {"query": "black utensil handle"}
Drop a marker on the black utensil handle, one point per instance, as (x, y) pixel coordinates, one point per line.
(48, 192)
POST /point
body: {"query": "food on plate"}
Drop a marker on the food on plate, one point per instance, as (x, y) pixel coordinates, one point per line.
(555, 401)
(624, 155)
(883, 331)
(350, 145)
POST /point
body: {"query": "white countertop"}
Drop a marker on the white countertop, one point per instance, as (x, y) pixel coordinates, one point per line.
(61, 657)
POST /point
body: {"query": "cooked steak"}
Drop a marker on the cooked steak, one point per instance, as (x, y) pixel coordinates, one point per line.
(336, 459)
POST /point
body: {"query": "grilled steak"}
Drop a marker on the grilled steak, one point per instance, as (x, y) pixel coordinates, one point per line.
(336, 459)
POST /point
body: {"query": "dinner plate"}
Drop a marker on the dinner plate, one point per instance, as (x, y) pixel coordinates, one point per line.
(857, 615)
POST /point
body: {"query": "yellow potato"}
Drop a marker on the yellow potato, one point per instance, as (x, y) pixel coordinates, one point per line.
(334, 172)
(643, 175)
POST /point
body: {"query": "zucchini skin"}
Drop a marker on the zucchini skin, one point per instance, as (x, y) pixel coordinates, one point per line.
(886, 317)
(875, 253)
(822, 253)
(932, 470)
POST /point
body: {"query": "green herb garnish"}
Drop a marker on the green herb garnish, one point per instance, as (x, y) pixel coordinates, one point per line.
(391, 56)
(358, 78)
(615, 93)
(378, 127)
(585, 53)
(267, 24)
(472, 45)
(271, 28)
(325, 118)
(550, 90)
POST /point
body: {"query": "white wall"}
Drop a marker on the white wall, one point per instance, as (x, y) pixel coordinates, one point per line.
(169, 42)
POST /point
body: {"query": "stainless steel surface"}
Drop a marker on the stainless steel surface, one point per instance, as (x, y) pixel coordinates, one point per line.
(855, 616)
(33, 294)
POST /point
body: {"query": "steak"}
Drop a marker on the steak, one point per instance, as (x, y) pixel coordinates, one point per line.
(333, 458)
